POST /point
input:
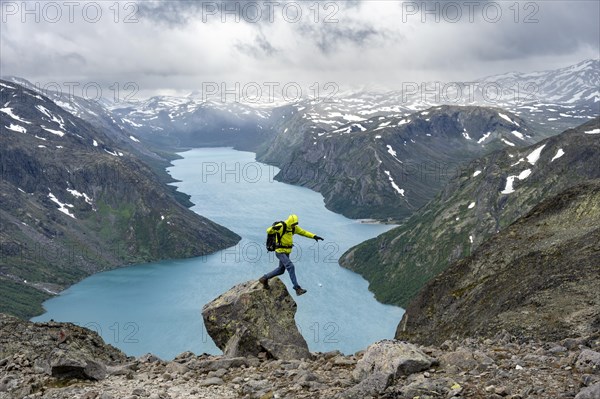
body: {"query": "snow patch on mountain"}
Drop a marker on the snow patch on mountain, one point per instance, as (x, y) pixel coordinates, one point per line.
(113, 153)
(353, 118)
(535, 155)
(7, 86)
(62, 207)
(393, 183)
(510, 180)
(132, 123)
(9, 112)
(559, 154)
(56, 132)
(524, 174)
(484, 137)
(518, 134)
(509, 189)
(391, 150)
(77, 194)
(16, 128)
(505, 117)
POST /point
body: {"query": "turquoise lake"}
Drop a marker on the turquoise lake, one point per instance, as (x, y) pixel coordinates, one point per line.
(156, 308)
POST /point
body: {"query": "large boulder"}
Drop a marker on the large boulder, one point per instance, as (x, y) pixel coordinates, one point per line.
(591, 392)
(73, 364)
(393, 358)
(248, 320)
(382, 364)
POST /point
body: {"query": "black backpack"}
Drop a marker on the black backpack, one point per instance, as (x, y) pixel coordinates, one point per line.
(274, 239)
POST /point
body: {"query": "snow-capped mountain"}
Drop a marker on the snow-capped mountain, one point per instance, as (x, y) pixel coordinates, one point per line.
(190, 121)
(95, 112)
(554, 99)
(322, 134)
(575, 84)
(389, 166)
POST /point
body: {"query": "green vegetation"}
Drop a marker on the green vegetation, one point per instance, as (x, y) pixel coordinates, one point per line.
(21, 300)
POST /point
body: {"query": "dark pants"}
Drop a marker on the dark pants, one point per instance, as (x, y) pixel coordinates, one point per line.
(284, 263)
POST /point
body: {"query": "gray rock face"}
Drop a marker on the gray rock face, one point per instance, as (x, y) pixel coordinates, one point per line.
(588, 360)
(382, 364)
(64, 364)
(393, 358)
(592, 392)
(248, 320)
(370, 386)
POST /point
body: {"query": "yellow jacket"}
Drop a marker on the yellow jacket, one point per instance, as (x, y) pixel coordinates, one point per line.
(287, 238)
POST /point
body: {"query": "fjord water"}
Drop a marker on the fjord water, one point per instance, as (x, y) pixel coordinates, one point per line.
(156, 307)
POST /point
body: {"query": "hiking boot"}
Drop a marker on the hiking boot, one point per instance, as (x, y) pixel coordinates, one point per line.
(264, 282)
(300, 291)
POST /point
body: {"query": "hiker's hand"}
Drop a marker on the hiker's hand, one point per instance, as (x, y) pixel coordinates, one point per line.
(317, 238)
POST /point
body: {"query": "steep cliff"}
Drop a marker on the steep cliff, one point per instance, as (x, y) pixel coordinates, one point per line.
(539, 277)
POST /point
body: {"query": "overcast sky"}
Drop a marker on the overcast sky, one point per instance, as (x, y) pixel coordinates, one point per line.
(175, 47)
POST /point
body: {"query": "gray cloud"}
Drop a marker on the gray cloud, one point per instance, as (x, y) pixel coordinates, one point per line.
(261, 47)
(561, 28)
(171, 49)
(330, 37)
(182, 12)
(73, 59)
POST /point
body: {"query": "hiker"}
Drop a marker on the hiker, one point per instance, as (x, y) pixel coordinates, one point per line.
(284, 231)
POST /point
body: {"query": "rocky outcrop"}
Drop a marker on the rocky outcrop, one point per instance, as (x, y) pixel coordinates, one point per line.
(248, 320)
(492, 368)
(537, 278)
(57, 350)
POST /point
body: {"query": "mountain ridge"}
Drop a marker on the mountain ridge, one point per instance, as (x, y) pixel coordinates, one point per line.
(487, 196)
(539, 278)
(563, 96)
(388, 167)
(74, 203)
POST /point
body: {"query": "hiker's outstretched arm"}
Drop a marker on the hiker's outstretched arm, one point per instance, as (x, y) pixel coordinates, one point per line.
(304, 233)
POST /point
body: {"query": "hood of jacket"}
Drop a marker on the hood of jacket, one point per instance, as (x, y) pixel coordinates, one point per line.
(291, 221)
